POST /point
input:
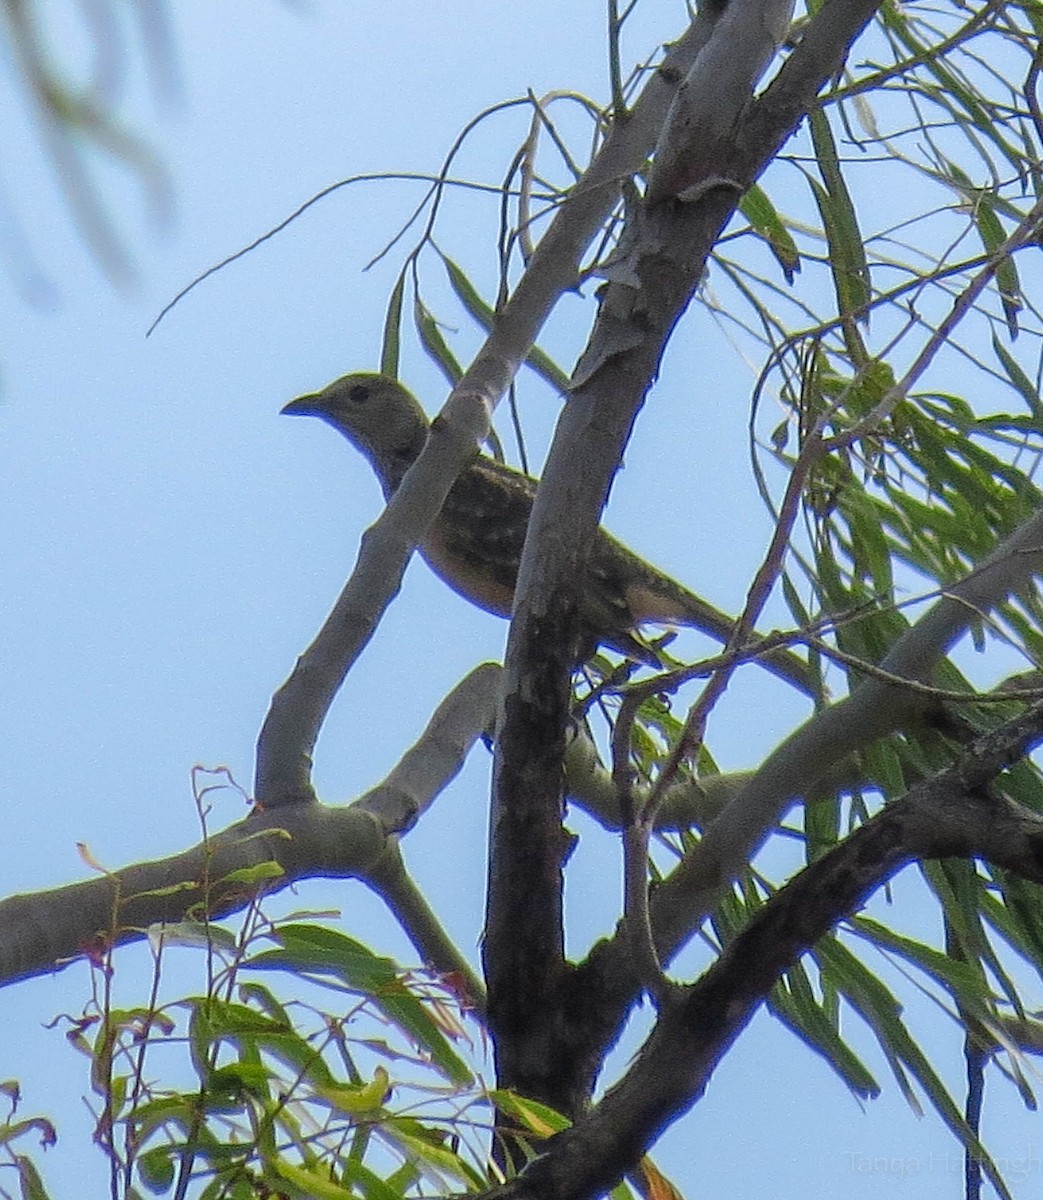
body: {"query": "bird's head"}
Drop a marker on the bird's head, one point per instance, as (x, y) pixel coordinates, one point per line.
(376, 414)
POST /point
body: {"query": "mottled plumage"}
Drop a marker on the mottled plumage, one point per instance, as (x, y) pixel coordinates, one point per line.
(475, 543)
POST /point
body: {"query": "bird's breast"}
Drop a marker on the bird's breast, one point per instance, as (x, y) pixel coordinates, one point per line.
(468, 574)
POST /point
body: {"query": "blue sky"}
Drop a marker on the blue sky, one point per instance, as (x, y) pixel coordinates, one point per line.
(169, 543)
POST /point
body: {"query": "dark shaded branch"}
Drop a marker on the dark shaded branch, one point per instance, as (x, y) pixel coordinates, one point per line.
(661, 259)
(605, 985)
(955, 813)
(873, 710)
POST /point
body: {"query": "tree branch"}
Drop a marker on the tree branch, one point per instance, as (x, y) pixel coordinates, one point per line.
(661, 259)
(299, 707)
(955, 813)
(48, 930)
(391, 881)
(873, 710)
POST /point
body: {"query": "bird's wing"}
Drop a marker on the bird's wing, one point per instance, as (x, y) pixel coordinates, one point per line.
(654, 597)
(476, 542)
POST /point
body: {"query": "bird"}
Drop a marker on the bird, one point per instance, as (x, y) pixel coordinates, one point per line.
(475, 543)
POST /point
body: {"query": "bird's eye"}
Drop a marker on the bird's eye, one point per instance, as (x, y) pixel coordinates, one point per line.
(358, 393)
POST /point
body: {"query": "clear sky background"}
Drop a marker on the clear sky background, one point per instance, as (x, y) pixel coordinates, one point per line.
(169, 544)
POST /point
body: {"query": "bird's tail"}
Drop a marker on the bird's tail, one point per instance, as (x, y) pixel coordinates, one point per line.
(657, 599)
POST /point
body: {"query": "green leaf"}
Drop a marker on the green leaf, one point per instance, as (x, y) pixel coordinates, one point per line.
(425, 1148)
(847, 258)
(316, 1184)
(266, 1000)
(434, 344)
(657, 1186)
(951, 94)
(883, 768)
(1020, 381)
(960, 889)
(172, 889)
(324, 954)
(390, 344)
(118, 1093)
(239, 1078)
(362, 1098)
(806, 1018)
(40, 1125)
(251, 876)
(198, 934)
(29, 1181)
(156, 1168)
(368, 1183)
(215, 1021)
(1018, 919)
(821, 823)
(151, 1115)
(542, 364)
(993, 235)
(765, 221)
(961, 978)
(877, 1006)
(872, 558)
(537, 1118)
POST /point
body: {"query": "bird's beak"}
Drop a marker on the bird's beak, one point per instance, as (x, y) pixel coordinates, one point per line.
(304, 406)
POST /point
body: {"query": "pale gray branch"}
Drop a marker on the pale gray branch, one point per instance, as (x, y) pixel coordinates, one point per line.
(715, 92)
(686, 804)
(390, 879)
(425, 769)
(555, 266)
(873, 710)
(47, 930)
(298, 708)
